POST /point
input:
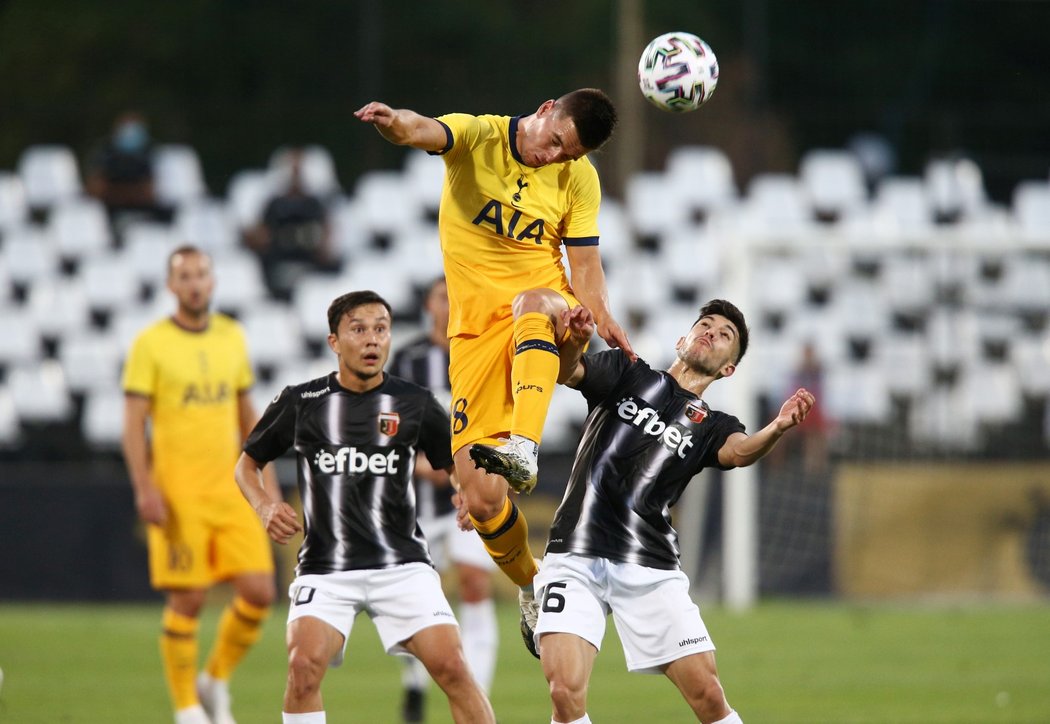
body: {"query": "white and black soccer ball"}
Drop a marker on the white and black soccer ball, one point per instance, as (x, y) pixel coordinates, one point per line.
(677, 72)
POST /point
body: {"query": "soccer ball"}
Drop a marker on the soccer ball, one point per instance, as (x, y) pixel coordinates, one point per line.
(677, 72)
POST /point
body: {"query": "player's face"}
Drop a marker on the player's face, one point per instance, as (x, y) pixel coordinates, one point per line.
(437, 305)
(551, 138)
(362, 341)
(711, 346)
(190, 279)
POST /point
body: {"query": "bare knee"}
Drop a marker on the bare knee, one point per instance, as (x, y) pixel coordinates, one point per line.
(186, 601)
(257, 589)
(568, 698)
(305, 672)
(708, 700)
(450, 671)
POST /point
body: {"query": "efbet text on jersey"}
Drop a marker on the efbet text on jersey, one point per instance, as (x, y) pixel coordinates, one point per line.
(351, 460)
(672, 436)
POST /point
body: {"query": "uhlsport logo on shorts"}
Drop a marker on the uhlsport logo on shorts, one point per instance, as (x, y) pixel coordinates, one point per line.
(350, 460)
(646, 419)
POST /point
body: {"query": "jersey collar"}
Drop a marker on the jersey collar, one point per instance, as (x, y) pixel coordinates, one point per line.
(513, 135)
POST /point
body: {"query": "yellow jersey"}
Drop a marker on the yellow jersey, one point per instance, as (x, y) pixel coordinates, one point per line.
(502, 223)
(193, 380)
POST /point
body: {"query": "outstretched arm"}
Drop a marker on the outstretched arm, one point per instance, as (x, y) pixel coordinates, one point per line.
(404, 127)
(740, 449)
(588, 284)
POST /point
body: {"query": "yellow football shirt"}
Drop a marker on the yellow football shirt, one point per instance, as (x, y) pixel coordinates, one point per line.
(502, 223)
(193, 380)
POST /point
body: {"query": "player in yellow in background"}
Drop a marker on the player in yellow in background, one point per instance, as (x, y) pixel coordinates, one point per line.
(187, 412)
(517, 190)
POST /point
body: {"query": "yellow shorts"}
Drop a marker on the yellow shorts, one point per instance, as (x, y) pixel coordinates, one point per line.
(479, 373)
(207, 541)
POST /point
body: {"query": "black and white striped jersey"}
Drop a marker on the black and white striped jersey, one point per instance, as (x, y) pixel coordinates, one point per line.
(644, 440)
(356, 453)
(423, 362)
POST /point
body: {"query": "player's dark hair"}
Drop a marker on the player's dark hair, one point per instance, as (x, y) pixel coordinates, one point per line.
(593, 114)
(734, 315)
(185, 249)
(343, 305)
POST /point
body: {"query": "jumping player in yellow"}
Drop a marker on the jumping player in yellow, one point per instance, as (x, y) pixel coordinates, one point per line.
(517, 190)
(187, 378)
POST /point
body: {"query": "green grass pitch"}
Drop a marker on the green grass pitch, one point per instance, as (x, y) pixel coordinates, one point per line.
(780, 663)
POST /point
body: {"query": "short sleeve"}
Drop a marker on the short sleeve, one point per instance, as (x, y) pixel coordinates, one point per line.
(435, 436)
(140, 369)
(275, 431)
(726, 425)
(245, 376)
(602, 371)
(464, 130)
(580, 226)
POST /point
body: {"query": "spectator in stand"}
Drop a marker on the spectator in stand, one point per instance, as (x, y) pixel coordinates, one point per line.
(120, 169)
(294, 236)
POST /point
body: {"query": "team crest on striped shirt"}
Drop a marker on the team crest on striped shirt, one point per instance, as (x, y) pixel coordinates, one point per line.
(696, 412)
(388, 423)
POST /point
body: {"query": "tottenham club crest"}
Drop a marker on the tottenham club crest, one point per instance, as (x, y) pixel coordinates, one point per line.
(388, 423)
(696, 412)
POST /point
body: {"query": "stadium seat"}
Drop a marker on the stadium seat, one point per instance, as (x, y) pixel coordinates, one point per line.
(992, 392)
(379, 273)
(50, 175)
(833, 181)
(311, 299)
(955, 187)
(14, 209)
(1030, 357)
(905, 363)
(615, 241)
(247, 194)
(703, 176)
(80, 228)
(10, 432)
(416, 253)
(692, 260)
(1025, 283)
(110, 282)
(653, 206)
(147, 245)
(206, 223)
(350, 235)
(59, 306)
(318, 169)
(273, 333)
(40, 393)
(943, 420)
(29, 254)
(857, 394)
(900, 211)
(775, 208)
(1031, 212)
(177, 174)
(102, 422)
(952, 336)
(424, 177)
(386, 203)
(20, 335)
(127, 323)
(567, 412)
(90, 360)
(778, 284)
(239, 281)
(906, 282)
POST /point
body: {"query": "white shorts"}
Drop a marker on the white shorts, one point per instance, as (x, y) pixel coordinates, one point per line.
(656, 619)
(448, 544)
(401, 601)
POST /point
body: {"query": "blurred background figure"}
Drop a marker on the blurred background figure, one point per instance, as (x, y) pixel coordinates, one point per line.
(294, 236)
(425, 362)
(120, 168)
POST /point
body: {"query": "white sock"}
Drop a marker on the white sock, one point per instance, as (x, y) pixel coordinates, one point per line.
(309, 717)
(480, 632)
(413, 674)
(531, 446)
(582, 720)
(733, 718)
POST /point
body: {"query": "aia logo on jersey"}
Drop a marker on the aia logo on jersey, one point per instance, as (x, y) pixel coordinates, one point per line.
(696, 412)
(388, 423)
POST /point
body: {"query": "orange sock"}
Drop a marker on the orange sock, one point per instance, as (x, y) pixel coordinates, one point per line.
(533, 374)
(506, 538)
(239, 628)
(178, 652)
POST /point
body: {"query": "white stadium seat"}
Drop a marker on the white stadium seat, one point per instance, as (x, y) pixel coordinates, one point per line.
(50, 174)
(9, 428)
(177, 174)
(247, 196)
(702, 176)
(20, 335)
(273, 333)
(833, 181)
(80, 228)
(318, 169)
(14, 209)
(206, 223)
(29, 254)
(102, 423)
(40, 393)
(59, 306)
(91, 360)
